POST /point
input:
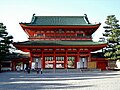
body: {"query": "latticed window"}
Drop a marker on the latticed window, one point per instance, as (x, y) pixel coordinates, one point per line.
(48, 58)
(59, 58)
(80, 35)
(39, 34)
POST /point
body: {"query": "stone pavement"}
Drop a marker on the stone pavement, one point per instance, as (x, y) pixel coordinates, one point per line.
(105, 80)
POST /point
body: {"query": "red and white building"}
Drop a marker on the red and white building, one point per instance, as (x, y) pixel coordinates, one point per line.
(61, 42)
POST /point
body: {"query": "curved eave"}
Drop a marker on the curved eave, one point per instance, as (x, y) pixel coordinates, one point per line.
(25, 26)
(26, 48)
(98, 47)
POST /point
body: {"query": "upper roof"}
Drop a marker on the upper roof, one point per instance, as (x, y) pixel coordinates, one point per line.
(58, 21)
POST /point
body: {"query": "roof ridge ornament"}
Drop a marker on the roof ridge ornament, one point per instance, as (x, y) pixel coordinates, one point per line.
(87, 19)
(33, 14)
(33, 18)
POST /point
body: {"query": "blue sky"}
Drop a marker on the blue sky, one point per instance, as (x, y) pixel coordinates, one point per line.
(14, 11)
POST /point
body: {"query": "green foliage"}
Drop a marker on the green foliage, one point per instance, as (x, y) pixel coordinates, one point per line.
(112, 36)
(5, 42)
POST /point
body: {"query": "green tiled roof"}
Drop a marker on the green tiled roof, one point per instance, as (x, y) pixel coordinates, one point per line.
(15, 56)
(58, 20)
(58, 43)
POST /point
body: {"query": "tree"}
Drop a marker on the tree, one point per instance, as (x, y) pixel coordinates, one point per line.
(112, 36)
(5, 43)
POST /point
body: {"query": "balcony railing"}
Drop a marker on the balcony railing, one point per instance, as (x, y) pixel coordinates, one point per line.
(61, 38)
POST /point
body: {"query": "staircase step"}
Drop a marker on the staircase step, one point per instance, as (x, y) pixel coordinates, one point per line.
(67, 70)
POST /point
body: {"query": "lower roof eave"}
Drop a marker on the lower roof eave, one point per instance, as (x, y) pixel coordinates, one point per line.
(27, 48)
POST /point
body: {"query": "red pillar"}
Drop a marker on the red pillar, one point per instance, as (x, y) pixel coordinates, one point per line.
(54, 60)
(66, 61)
(42, 58)
(89, 58)
(78, 57)
(13, 66)
(30, 61)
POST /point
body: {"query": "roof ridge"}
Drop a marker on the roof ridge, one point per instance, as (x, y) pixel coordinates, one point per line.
(59, 16)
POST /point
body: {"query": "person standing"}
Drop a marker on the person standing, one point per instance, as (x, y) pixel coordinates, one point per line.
(37, 70)
(41, 71)
(28, 70)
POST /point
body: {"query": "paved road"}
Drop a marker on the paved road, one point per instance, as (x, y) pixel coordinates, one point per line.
(60, 81)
